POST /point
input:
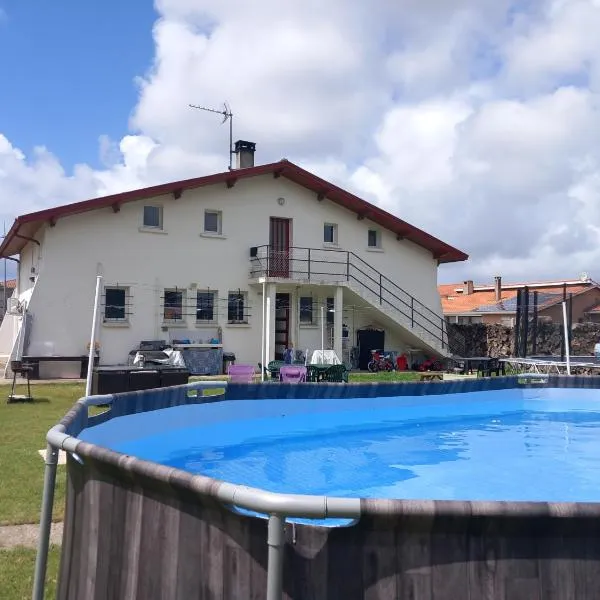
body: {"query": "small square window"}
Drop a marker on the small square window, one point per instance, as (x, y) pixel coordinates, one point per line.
(205, 306)
(173, 305)
(373, 238)
(153, 217)
(212, 221)
(115, 301)
(330, 233)
(306, 310)
(237, 307)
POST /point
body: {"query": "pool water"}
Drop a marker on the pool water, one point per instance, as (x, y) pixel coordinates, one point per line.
(520, 456)
(506, 449)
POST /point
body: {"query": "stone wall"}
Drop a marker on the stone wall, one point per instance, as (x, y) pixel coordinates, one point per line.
(498, 340)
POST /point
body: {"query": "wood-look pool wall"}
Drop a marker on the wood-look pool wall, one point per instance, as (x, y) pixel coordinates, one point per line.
(136, 530)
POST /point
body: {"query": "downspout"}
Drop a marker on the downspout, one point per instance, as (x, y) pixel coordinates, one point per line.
(30, 239)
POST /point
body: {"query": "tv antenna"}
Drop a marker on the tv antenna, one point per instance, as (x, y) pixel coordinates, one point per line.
(227, 116)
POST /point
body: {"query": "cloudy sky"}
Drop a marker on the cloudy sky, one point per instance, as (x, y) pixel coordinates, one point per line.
(476, 120)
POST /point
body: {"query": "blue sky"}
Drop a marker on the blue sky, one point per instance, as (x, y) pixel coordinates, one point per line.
(68, 69)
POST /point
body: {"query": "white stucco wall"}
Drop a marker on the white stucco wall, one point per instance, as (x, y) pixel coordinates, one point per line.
(111, 244)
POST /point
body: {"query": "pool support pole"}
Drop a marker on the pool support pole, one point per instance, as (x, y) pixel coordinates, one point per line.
(92, 353)
(276, 544)
(41, 560)
(566, 330)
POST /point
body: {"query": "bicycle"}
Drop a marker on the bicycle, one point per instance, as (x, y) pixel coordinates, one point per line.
(380, 362)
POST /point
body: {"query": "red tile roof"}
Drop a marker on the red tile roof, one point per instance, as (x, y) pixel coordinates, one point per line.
(10, 283)
(454, 302)
(26, 226)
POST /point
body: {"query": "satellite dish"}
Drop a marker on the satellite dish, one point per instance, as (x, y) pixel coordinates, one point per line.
(584, 276)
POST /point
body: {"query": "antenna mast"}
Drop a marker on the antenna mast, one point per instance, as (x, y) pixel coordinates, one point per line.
(227, 115)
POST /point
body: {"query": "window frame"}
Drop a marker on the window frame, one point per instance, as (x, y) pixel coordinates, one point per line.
(334, 234)
(175, 319)
(219, 215)
(213, 307)
(126, 296)
(160, 225)
(377, 238)
(244, 308)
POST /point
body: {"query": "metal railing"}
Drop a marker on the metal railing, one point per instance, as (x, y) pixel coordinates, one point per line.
(336, 266)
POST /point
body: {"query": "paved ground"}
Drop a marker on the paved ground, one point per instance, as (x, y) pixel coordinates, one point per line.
(12, 536)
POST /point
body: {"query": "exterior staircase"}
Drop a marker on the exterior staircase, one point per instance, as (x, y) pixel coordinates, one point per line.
(312, 265)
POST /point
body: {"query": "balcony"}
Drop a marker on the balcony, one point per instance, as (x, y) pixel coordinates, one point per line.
(300, 264)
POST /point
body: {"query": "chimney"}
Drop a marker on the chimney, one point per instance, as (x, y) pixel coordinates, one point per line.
(468, 287)
(498, 288)
(244, 154)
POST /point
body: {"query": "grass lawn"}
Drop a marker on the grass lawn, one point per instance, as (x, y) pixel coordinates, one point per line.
(16, 573)
(383, 376)
(24, 428)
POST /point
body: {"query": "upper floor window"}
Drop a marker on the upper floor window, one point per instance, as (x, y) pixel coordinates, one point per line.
(115, 302)
(330, 233)
(373, 238)
(213, 221)
(153, 217)
(173, 305)
(205, 306)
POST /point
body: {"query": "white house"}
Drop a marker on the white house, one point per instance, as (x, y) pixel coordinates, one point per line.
(189, 261)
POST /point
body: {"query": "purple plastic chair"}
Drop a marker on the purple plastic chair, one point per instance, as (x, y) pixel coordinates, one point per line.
(292, 374)
(241, 373)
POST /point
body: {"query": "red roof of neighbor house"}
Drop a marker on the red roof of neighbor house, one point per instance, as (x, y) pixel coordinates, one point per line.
(594, 309)
(454, 302)
(27, 225)
(10, 283)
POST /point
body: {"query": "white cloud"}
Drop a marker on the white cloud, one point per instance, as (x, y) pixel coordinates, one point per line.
(477, 121)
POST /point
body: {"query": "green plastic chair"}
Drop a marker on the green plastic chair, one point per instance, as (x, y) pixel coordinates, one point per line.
(273, 368)
(337, 374)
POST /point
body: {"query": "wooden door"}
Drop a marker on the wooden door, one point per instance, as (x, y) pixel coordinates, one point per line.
(279, 248)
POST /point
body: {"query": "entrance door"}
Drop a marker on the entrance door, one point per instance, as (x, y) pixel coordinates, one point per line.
(368, 339)
(279, 248)
(282, 324)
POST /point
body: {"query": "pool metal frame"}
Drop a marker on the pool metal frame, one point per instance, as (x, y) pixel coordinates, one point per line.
(280, 506)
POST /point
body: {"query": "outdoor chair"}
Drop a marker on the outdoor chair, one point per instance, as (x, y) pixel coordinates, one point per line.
(313, 374)
(292, 374)
(241, 373)
(492, 366)
(336, 374)
(273, 368)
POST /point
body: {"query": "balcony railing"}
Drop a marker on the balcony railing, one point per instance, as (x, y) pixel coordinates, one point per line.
(336, 266)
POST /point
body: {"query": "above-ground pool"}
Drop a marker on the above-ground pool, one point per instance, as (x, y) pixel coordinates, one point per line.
(429, 490)
(496, 445)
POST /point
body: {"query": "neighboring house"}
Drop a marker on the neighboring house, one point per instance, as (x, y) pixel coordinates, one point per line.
(497, 303)
(189, 261)
(6, 294)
